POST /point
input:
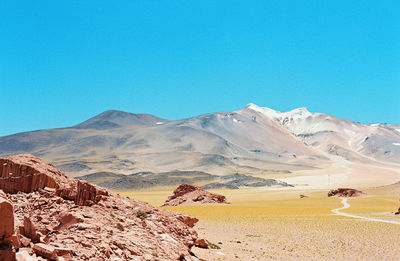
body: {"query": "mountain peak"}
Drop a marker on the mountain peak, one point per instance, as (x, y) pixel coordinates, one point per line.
(264, 110)
(299, 112)
(115, 118)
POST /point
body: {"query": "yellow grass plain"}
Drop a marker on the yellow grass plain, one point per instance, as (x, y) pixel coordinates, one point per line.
(268, 224)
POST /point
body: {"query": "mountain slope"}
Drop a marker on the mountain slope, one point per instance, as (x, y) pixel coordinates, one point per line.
(254, 140)
(115, 119)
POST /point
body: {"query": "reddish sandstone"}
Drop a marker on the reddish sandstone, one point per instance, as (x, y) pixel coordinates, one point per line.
(27, 173)
(187, 194)
(7, 237)
(59, 218)
(46, 251)
(7, 216)
(345, 192)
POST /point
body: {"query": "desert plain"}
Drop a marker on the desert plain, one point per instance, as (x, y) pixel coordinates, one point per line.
(276, 224)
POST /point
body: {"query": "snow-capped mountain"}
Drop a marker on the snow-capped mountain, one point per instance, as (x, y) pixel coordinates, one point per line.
(253, 140)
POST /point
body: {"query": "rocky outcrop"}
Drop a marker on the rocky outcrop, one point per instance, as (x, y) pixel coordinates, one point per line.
(187, 194)
(88, 194)
(345, 192)
(27, 173)
(398, 212)
(59, 218)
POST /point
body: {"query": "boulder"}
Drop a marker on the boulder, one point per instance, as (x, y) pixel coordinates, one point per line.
(187, 194)
(46, 251)
(201, 243)
(7, 229)
(62, 251)
(188, 220)
(24, 256)
(24, 240)
(66, 220)
(345, 192)
(7, 217)
(30, 230)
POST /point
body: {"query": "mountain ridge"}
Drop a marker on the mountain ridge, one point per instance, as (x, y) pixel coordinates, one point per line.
(252, 141)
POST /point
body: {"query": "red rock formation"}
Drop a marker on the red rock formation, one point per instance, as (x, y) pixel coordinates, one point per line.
(27, 173)
(187, 194)
(30, 230)
(46, 251)
(345, 192)
(60, 218)
(187, 220)
(7, 229)
(88, 194)
(7, 216)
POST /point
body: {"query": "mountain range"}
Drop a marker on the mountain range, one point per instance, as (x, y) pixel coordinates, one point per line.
(255, 141)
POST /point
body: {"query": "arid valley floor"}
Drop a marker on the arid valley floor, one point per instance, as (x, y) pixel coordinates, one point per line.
(262, 224)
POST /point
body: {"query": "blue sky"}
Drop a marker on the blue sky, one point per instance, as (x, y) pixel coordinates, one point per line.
(62, 62)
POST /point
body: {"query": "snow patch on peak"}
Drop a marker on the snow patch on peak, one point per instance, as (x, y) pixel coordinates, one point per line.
(294, 114)
(299, 112)
(294, 120)
(264, 110)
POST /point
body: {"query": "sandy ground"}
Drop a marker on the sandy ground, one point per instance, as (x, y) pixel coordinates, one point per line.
(343, 173)
(271, 224)
(346, 205)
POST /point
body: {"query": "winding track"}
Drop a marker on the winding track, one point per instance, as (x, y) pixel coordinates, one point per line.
(347, 205)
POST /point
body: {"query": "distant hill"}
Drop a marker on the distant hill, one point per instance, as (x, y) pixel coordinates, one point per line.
(114, 119)
(143, 180)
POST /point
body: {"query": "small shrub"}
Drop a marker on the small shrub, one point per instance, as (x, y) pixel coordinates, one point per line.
(119, 245)
(212, 245)
(120, 227)
(141, 214)
(112, 215)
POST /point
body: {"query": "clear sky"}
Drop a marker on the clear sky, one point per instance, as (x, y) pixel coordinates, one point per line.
(62, 62)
